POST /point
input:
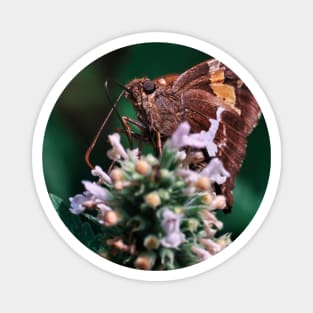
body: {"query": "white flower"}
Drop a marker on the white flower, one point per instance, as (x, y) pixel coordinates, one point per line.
(181, 155)
(96, 190)
(177, 139)
(201, 253)
(215, 171)
(198, 140)
(181, 138)
(219, 202)
(117, 150)
(77, 203)
(173, 240)
(210, 223)
(94, 195)
(188, 175)
(210, 245)
(103, 176)
(170, 223)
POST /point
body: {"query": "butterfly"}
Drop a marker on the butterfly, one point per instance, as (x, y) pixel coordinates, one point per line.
(209, 96)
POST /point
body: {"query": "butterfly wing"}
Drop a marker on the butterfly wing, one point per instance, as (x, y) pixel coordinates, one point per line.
(215, 78)
(215, 97)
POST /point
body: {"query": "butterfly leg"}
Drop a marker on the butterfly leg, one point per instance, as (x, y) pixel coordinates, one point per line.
(127, 121)
(158, 144)
(141, 139)
(126, 124)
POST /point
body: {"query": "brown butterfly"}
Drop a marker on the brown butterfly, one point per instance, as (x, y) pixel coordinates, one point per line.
(208, 95)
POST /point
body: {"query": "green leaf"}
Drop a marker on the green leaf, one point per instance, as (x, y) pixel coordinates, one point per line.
(56, 201)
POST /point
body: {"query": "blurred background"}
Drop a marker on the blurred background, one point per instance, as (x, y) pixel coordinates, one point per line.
(83, 106)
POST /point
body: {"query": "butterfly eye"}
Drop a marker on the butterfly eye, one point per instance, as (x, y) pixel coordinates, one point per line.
(148, 86)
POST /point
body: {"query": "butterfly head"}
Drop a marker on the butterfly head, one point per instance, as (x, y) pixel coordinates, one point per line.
(139, 89)
(141, 92)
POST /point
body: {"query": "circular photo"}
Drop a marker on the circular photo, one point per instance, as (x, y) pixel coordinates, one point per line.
(156, 156)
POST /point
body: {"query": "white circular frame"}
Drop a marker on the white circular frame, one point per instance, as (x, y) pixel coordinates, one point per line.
(38, 172)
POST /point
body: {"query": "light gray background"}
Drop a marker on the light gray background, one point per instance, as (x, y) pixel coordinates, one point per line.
(39, 40)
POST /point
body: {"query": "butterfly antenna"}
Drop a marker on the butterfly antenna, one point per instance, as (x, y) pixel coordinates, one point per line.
(113, 108)
(107, 93)
(106, 84)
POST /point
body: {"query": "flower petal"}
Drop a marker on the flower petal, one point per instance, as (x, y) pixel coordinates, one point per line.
(176, 141)
(104, 177)
(170, 223)
(188, 175)
(118, 150)
(210, 245)
(201, 253)
(216, 171)
(173, 240)
(97, 191)
(197, 140)
(77, 204)
(103, 208)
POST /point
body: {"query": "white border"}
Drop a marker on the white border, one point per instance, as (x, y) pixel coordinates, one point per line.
(59, 87)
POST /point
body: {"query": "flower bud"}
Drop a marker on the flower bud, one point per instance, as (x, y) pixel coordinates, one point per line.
(219, 202)
(179, 184)
(207, 198)
(203, 183)
(142, 167)
(144, 262)
(210, 232)
(179, 210)
(193, 224)
(165, 173)
(89, 204)
(118, 185)
(118, 244)
(224, 241)
(201, 253)
(117, 174)
(166, 177)
(210, 245)
(111, 218)
(151, 159)
(164, 194)
(151, 242)
(153, 199)
(103, 176)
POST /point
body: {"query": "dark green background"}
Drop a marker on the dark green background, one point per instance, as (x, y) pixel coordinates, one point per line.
(83, 105)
